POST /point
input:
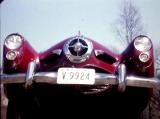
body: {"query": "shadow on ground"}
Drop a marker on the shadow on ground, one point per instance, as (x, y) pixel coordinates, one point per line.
(154, 108)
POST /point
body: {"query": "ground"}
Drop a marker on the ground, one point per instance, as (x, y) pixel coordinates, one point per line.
(155, 105)
(154, 108)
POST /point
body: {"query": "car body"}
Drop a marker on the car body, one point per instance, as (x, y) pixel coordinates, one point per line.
(77, 66)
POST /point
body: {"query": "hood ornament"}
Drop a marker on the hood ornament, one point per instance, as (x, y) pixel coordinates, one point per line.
(78, 49)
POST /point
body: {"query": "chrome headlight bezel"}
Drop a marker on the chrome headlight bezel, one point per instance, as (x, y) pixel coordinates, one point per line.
(142, 43)
(13, 41)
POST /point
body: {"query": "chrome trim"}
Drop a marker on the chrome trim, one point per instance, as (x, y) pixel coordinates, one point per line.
(100, 79)
(143, 82)
(45, 77)
(30, 73)
(51, 77)
(57, 51)
(78, 58)
(13, 78)
(121, 78)
(98, 52)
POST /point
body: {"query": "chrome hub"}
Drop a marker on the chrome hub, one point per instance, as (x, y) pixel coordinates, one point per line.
(78, 49)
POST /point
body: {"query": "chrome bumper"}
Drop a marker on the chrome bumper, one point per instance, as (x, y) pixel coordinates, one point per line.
(121, 80)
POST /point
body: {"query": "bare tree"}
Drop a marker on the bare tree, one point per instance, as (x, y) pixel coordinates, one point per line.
(157, 61)
(128, 24)
(1, 1)
(155, 99)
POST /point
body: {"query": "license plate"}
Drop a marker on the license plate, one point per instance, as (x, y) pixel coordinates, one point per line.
(76, 76)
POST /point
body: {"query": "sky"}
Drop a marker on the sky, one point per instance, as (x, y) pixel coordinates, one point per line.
(46, 22)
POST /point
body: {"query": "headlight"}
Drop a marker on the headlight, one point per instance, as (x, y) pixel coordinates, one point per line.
(13, 41)
(142, 43)
(144, 57)
(11, 55)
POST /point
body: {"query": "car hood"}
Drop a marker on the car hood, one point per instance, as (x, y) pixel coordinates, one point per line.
(80, 52)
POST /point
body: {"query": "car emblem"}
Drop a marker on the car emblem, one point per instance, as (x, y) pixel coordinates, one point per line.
(78, 49)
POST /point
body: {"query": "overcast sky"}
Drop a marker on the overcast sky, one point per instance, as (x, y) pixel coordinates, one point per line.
(46, 22)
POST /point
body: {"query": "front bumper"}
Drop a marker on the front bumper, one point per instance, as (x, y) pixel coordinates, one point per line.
(101, 78)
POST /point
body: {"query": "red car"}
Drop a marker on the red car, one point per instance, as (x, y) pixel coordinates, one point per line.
(38, 83)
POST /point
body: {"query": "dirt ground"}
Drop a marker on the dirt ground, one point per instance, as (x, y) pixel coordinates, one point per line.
(4, 102)
(155, 105)
(154, 108)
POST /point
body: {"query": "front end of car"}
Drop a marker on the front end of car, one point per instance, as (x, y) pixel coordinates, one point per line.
(77, 66)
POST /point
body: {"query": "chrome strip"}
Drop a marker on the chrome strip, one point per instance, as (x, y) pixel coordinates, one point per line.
(101, 79)
(57, 51)
(121, 78)
(104, 79)
(13, 78)
(98, 52)
(44, 77)
(143, 82)
(30, 73)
